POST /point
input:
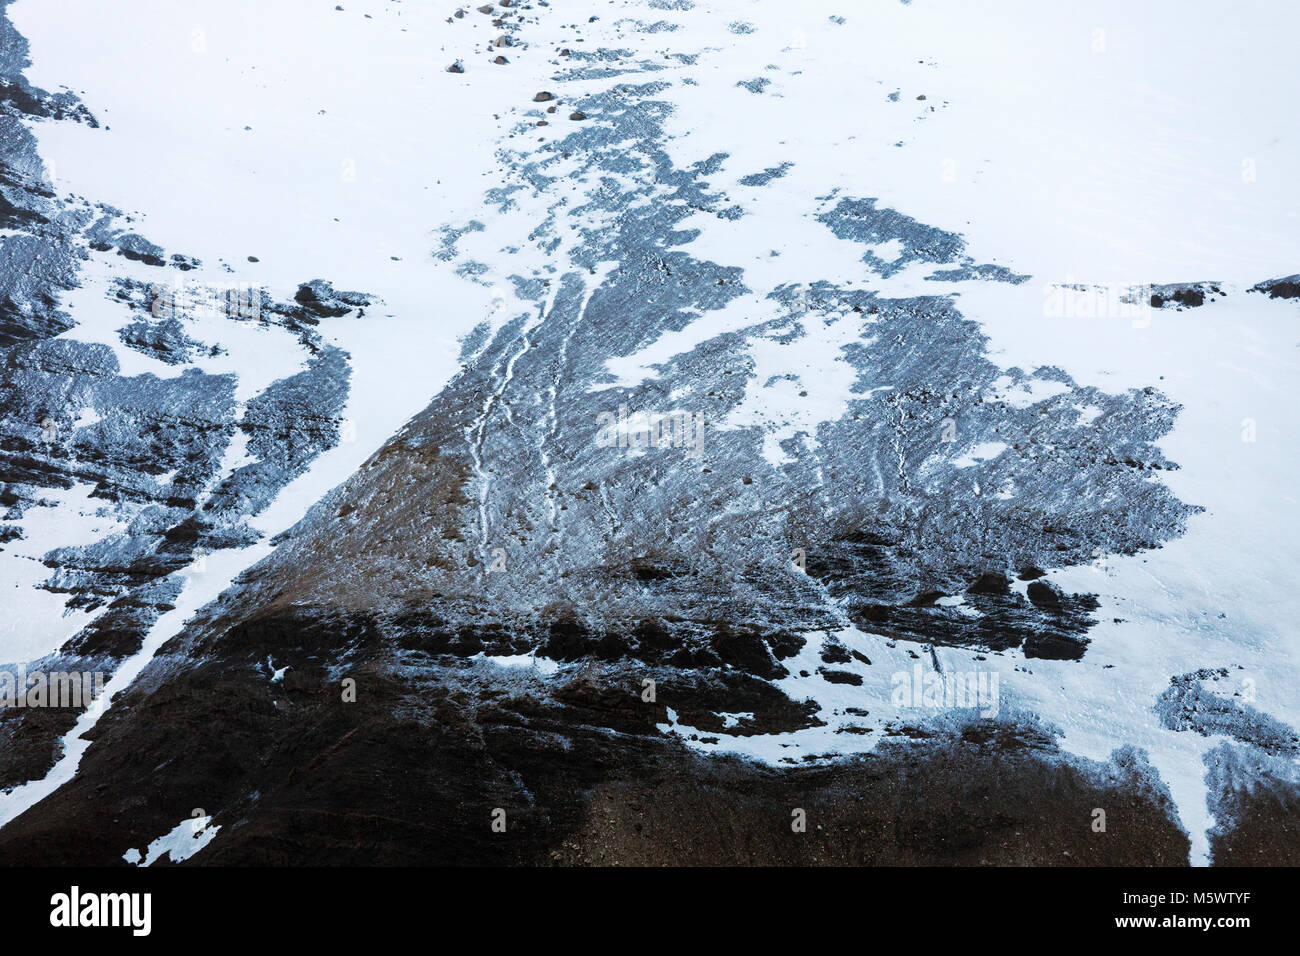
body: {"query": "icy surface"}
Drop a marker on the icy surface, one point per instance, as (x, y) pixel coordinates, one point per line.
(179, 844)
(341, 146)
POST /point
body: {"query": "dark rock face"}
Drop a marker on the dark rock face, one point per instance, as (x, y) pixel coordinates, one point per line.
(165, 340)
(517, 515)
(105, 236)
(530, 512)
(155, 455)
(575, 769)
(1209, 703)
(860, 220)
(319, 299)
(1286, 288)
(1188, 295)
(41, 259)
(152, 450)
(1255, 799)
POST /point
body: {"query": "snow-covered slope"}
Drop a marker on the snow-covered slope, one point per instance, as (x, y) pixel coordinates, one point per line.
(953, 310)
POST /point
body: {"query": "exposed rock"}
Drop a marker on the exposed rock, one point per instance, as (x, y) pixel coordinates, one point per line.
(1286, 288)
(1183, 295)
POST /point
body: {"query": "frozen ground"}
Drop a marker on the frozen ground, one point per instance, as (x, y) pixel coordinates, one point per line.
(1110, 145)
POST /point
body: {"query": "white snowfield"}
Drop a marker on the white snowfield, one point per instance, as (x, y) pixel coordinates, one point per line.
(1108, 143)
(178, 844)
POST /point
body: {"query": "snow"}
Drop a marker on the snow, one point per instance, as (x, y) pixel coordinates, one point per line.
(355, 200)
(984, 451)
(220, 568)
(174, 89)
(36, 622)
(1075, 143)
(1124, 162)
(1224, 362)
(1027, 393)
(87, 416)
(542, 665)
(179, 844)
(798, 384)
